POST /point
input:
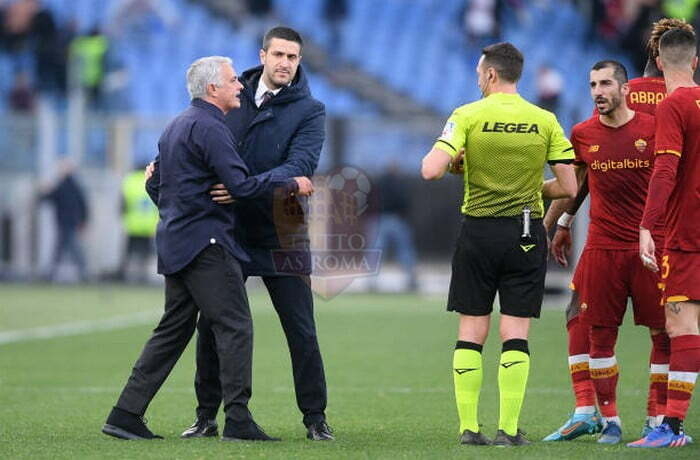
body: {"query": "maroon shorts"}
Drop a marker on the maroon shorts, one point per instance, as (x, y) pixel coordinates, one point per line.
(605, 278)
(680, 275)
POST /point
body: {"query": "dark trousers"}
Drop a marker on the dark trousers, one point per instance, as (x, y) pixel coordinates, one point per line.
(293, 301)
(211, 284)
(68, 242)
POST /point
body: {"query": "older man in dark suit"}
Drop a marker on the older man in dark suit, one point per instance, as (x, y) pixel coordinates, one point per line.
(198, 254)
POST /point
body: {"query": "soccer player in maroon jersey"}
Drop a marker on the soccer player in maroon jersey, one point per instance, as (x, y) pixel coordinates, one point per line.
(614, 148)
(644, 94)
(674, 191)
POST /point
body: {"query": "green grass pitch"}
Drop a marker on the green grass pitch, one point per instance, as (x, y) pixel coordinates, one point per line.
(388, 364)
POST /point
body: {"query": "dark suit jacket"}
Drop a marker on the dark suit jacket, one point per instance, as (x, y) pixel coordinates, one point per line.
(196, 151)
(283, 137)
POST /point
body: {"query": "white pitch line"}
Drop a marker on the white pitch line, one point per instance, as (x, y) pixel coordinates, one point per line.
(78, 327)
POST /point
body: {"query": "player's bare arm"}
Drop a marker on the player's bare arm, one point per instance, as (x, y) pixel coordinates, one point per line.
(568, 205)
(562, 212)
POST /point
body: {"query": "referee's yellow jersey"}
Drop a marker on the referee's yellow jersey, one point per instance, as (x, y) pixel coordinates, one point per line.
(507, 142)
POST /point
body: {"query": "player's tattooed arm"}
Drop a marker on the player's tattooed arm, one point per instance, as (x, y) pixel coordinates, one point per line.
(674, 307)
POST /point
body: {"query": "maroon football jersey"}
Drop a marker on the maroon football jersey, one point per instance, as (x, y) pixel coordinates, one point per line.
(619, 163)
(678, 133)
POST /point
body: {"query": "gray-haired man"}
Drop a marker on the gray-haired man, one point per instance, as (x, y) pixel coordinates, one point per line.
(198, 255)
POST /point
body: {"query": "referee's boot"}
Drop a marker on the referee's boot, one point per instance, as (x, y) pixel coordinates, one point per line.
(319, 431)
(125, 425)
(503, 439)
(203, 427)
(249, 431)
(474, 439)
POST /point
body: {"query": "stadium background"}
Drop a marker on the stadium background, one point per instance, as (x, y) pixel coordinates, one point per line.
(389, 72)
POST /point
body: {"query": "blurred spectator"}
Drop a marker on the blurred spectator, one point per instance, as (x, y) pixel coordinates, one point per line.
(261, 17)
(481, 21)
(640, 14)
(21, 97)
(50, 50)
(27, 30)
(71, 213)
(15, 25)
(139, 19)
(335, 12)
(394, 232)
(87, 57)
(549, 87)
(139, 219)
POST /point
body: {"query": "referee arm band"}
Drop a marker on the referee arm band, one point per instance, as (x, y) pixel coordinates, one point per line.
(447, 143)
(566, 161)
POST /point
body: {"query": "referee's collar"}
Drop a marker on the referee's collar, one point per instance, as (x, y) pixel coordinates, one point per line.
(504, 94)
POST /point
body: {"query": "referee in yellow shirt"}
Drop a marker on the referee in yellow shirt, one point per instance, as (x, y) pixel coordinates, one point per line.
(502, 142)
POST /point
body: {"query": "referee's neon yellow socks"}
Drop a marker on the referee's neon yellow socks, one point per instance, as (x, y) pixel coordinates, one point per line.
(467, 372)
(513, 371)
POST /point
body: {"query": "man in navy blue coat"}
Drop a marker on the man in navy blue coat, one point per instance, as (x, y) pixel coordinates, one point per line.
(199, 255)
(279, 130)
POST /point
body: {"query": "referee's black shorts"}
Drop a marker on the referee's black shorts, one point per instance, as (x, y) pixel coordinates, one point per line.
(490, 257)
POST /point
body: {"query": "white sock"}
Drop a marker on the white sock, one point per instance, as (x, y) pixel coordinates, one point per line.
(584, 410)
(615, 419)
(659, 419)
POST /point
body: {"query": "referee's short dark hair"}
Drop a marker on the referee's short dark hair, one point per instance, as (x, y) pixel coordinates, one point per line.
(285, 33)
(678, 46)
(619, 70)
(506, 59)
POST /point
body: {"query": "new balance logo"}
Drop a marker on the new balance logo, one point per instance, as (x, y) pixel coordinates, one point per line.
(511, 363)
(464, 370)
(527, 247)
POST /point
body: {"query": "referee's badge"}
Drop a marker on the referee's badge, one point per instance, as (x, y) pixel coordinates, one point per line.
(641, 145)
(448, 130)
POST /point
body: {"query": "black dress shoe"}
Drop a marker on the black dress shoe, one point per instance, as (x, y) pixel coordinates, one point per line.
(319, 431)
(125, 425)
(201, 428)
(248, 432)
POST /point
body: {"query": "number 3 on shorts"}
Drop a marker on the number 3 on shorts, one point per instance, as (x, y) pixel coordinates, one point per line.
(666, 268)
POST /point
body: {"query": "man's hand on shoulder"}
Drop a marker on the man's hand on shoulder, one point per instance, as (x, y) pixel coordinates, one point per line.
(306, 188)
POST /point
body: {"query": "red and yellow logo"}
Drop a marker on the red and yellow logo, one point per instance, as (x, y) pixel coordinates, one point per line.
(594, 148)
(641, 145)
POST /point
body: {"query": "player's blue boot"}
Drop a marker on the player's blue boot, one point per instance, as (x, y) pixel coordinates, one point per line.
(611, 434)
(662, 436)
(577, 425)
